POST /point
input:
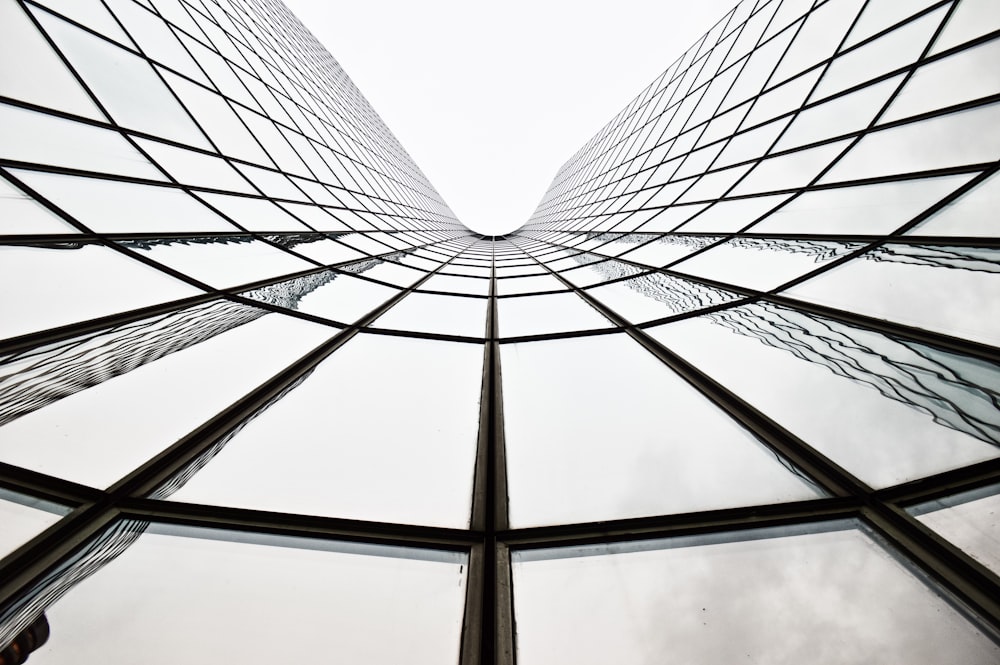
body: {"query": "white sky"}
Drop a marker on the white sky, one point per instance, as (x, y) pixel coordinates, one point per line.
(490, 99)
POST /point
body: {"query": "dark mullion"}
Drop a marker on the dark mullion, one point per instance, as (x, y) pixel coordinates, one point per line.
(503, 599)
(297, 525)
(942, 485)
(27, 564)
(473, 624)
(497, 637)
(482, 498)
(44, 486)
(684, 524)
(475, 620)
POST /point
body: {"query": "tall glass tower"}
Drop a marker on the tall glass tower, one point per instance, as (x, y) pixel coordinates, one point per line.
(731, 395)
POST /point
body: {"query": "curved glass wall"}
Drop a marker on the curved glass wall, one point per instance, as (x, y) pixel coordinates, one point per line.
(731, 393)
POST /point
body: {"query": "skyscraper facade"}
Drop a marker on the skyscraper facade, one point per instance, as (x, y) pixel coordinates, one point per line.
(732, 394)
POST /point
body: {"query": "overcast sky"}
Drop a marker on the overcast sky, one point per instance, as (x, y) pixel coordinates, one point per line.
(490, 99)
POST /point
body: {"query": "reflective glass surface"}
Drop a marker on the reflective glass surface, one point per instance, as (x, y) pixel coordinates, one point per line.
(822, 596)
(24, 517)
(95, 434)
(951, 289)
(338, 458)
(64, 279)
(596, 431)
(763, 295)
(915, 410)
(204, 592)
(970, 521)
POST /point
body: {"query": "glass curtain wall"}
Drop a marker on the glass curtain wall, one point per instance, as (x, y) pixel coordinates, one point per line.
(731, 394)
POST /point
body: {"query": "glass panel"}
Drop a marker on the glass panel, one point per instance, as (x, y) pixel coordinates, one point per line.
(194, 168)
(157, 41)
(670, 218)
(864, 210)
(897, 49)
(329, 446)
(221, 261)
(93, 14)
(966, 137)
(732, 215)
(914, 410)
(881, 14)
(752, 144)
(969, 521)
(954, 290)
(819, 37)
(446, 315)
(597, 428)
(963, 77)
(254, 214)
(655, 295)
(98, 433)
(757, 70)
(469, 285)
(789, 11)
(535, 315)
(763, 263)
(315, 216)
(714, 185)
(29, 136)
(972, 19)
(272, 183)
(111, 206)
(204, 594)
(850, 113)
(221, 124)
(20, 213)
(388, 271)
(318, 248)
(59, 283)
(782, 99)
(826, 595)
(533, 284)
(795, 169)
(667, 249)
(328, 294)
(114, 75)
(24, 517)
(32, 72)
(973, 214)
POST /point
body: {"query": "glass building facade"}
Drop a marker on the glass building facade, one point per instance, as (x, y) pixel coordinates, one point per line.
(732, 394)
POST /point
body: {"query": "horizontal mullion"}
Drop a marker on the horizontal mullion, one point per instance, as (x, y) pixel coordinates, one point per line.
(684, 524)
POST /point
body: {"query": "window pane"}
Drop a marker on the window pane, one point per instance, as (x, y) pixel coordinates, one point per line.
(205, 593)
(23, 518)
(597, 428)
(969, 521)
(53, 300)
(915, 410)
(534, 315)
(384, 429)
(949, 289)
(97, 432)
(446, 315)
(794, 596)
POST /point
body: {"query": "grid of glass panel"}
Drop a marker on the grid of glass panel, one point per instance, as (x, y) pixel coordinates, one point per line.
(732, 393)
